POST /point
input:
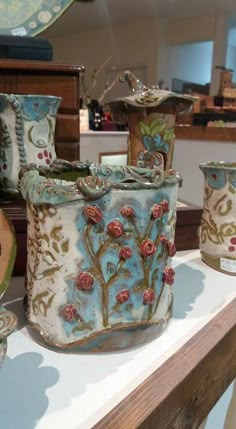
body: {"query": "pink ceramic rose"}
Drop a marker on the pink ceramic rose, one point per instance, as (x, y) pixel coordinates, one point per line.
(69, 312)
(115, 228)
(157, 211)
(93, 213)
(126, 252)
(168, 275)
(85, 281)
(127, 211)
(123, 296)
(148, 296)
(147, 248)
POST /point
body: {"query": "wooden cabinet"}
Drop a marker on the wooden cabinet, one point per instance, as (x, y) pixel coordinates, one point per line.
(49, 78)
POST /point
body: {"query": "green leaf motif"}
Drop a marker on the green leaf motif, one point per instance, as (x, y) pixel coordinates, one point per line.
(232, 190)
(157, 129)
(145, 130)
(154, 276)
(111, 269)
(169, 134)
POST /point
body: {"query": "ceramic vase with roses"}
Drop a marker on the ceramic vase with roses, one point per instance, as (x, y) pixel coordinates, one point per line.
(99, 254)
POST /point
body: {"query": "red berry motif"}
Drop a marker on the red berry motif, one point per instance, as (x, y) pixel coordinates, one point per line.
(69, 312)
(127, 211)
(231, 248)
(171, 248)
(168, 275)
(233, 240)
(147, 248)
(85, 281)
(93, 213)
(165, 206)
(123, 296)
(115, 228)
(47, 156)
(148, 296)
(163, 239)
(157, 211)
(126, 252)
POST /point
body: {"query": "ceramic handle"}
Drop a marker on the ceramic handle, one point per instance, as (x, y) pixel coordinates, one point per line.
(93, 187)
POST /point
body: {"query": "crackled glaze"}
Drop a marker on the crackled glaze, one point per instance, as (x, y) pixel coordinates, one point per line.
(99, 274)
(218, 224)
(27, 124)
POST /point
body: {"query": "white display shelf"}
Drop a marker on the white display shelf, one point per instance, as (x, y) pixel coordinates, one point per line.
(43, 389)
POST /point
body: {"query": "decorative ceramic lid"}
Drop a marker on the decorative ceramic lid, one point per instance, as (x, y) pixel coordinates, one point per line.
(141, 97)
(29, 17)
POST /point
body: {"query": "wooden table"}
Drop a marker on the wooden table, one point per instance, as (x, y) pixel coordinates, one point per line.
(49, 78)
(170, 383)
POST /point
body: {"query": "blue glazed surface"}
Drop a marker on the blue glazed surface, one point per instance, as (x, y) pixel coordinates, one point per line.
(217, 174)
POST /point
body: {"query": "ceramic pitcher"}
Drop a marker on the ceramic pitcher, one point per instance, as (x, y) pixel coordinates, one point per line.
(150, 114)
(99, 254)
(218, 224)
(8, 319)
(27, 124)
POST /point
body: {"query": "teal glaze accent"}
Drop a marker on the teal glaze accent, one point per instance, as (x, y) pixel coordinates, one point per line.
(217, 173)
(155, 143)
(39, 189)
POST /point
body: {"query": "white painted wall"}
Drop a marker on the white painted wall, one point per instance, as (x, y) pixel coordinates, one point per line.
(130, 45)
(141, 43)
(231, 60)
(187, 157)
(190, 62)
(191, 30)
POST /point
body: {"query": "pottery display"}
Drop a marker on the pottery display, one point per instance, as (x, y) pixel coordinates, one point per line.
(8, 320)
(218, 224)
(27, 125)
(100, 239)
(150, 113)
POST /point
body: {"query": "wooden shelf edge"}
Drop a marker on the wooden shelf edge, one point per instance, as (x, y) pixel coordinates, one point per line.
(205, 133)
(185, 388)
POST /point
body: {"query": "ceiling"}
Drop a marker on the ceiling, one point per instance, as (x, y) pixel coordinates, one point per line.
(82, 16)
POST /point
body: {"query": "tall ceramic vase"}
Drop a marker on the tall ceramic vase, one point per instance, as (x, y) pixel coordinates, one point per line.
(27, 125)
(150, 114)
(218, 224)
(99, 247)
